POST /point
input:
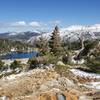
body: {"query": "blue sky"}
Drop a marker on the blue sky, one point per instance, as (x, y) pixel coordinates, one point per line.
(20, 15)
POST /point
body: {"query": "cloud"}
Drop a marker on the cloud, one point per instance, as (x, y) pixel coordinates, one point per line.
(17, 24)
(35, 24)
(55, 22)
(27, 26)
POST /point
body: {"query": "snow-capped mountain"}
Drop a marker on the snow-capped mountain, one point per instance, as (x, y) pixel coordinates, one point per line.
(16, 33)
(92, 28)
(19, 36)
(74, 32)
(88, 32)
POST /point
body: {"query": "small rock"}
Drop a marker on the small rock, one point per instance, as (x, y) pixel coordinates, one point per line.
(60, 63)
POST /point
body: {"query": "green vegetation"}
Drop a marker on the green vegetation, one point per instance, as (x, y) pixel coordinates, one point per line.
(50, 51)
(88, 46)
(62, 70)
(67, 45)
(54, 50)
(55, 43)
(45, 60)
(1, 64)
(15, 64)
(93, 60)
(93, 64)
(42, 45)
(6, 46)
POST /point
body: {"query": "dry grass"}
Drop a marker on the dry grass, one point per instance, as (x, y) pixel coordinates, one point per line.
(37, 85)
(25, 84)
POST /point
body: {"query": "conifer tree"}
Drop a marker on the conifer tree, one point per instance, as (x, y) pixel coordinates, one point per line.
(42, 44)
(54, 42)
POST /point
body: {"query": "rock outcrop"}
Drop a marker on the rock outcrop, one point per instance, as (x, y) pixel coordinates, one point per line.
(43, 84)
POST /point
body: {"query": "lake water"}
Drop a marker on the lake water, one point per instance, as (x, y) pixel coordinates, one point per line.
(16, 55)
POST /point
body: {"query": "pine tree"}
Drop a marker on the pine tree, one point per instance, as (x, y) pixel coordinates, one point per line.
(54, 43)
(42, 44)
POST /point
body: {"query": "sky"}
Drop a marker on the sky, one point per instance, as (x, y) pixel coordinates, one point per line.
(32, 15)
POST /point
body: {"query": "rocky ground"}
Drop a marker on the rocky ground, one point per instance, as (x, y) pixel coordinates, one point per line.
(47, 84)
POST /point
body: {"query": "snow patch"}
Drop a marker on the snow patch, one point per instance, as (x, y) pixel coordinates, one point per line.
(3, 98)
(16, 33)
(13, 33)
(80, 73)
(81, 61)
(93, 85)
(15, 76)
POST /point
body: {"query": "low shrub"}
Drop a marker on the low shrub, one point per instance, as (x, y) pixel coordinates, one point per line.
(42, 60)
(15, 64)
(93, 64)
(62, 70)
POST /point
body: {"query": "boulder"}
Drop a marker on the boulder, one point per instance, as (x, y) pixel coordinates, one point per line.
(60, 63)
(66, 83)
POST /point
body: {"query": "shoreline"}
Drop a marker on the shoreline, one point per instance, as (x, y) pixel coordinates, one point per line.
(9, 61)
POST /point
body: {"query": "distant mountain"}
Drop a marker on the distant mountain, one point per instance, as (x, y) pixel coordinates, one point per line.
(74, 32)
(21, 36)
(91, 28)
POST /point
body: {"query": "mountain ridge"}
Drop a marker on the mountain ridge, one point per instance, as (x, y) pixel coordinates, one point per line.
(90, 31)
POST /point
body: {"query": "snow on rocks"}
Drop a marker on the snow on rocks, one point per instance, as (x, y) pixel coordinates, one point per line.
(11, 77)
(3, 98)
(77, 61)
(93, 85)
(16, 76)
(61, 83)
(84, 74)
(84, 97)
